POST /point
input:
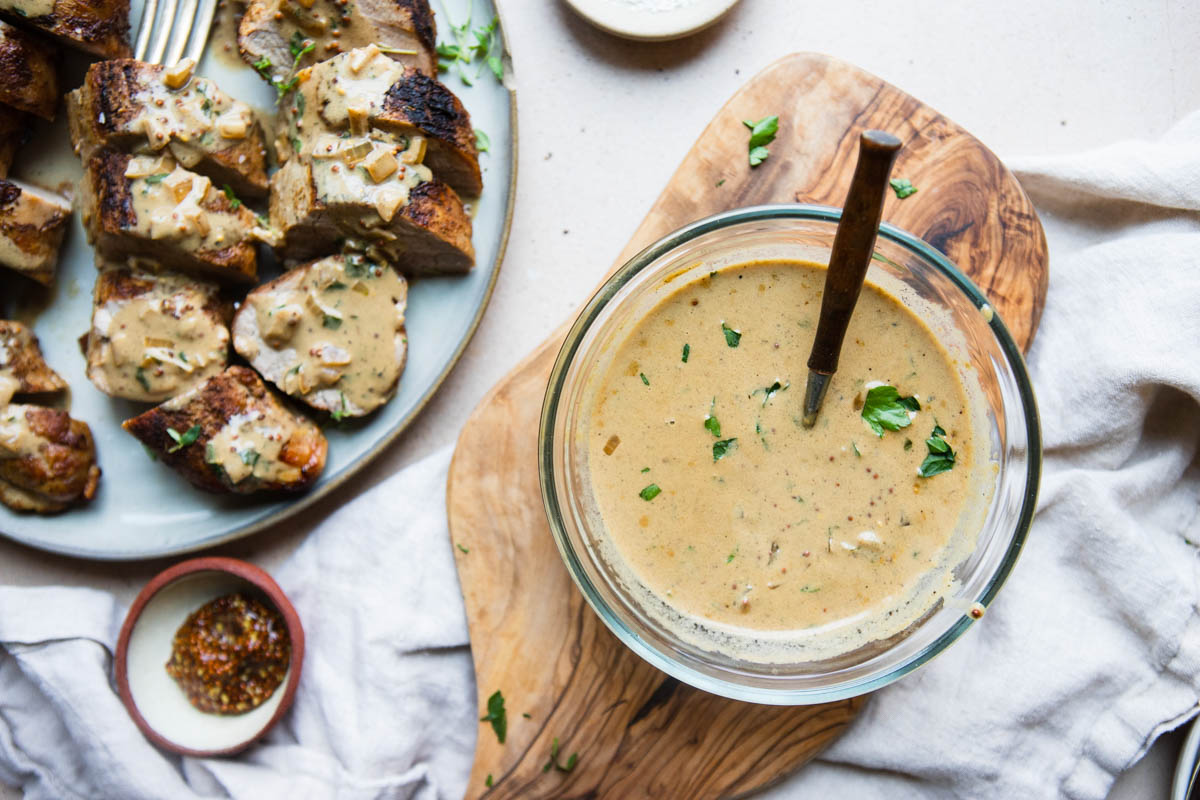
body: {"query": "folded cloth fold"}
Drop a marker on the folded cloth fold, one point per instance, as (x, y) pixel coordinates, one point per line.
(1090, 652)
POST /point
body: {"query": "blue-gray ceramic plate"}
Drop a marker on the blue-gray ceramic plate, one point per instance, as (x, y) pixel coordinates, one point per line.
(143, 509)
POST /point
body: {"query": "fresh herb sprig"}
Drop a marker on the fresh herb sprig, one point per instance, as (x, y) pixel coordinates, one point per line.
(941, 456)
(733, 337)
(902, 187)
(497, 715)
(184, 439)
(762, 133)
(482, 43)
(885, 408)
(554, 763)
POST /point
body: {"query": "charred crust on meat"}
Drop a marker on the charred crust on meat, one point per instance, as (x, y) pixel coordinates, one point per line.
(422, 19)
(428, 105)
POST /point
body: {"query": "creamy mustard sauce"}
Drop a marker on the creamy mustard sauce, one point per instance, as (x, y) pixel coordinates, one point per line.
(333, 332)
(250, 445)
(17, 439)
(755, 522)
(333, 26)
(29, 8)
(360, 170)
(190, 121)
(168, 203)
(159, 344)
(343, 93)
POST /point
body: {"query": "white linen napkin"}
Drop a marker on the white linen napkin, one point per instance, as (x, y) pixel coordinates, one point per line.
(1088, 654)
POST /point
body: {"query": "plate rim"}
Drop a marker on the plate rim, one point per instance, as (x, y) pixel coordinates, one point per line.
(309, 499)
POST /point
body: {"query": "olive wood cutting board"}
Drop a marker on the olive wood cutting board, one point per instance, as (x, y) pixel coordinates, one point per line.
(638, 732)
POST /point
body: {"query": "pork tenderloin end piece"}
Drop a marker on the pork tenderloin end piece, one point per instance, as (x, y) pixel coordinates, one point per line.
(230, 434)
(273, 32)
(32, 224)
(329, 333)
(99, 27)
(417, 223)
(149, 207)
(47, 459)
(129, 105)
(154, 335)
(23, 370)
(28, 74)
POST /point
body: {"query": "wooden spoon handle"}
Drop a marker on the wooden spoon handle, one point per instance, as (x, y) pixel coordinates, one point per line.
(853, 246)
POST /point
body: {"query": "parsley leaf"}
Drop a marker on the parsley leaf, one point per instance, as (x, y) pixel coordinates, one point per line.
(249, 457)
(940, 458)
(687, 351)
(762, 133)
(331, 322)
(645, 380)
(712, 425)
(732, 556)
(553, 763)
(340, 413)
(140, 374)
(497, 715)
(722, 448)
(234, 202)
(772, 390)
(460, 547)
(182, 440)
(902, 187)
(732, 337)
(157, 178)
(885, 408)
(488, 780)
(650, 492)
(482, 143)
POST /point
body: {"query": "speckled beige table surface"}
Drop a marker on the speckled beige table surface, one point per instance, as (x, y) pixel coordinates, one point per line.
(603, 123)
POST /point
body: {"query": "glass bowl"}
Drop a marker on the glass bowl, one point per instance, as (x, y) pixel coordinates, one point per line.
(964, 322)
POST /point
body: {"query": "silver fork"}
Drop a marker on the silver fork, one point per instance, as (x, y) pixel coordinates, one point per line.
(173, 31)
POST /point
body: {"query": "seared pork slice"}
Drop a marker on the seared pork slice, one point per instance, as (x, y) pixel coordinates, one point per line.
(231, 434)
(22, 368)
(14, 128)
(330, 333)
(275, 35)
(32, 224)
(154, 336)
(143, 108)
(47, 459)
(375, 202)
(28, 80)
(365, 89)
(100, 27)
(149, 207)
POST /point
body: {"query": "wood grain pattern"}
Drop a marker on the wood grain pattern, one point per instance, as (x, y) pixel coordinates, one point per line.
(638, 732)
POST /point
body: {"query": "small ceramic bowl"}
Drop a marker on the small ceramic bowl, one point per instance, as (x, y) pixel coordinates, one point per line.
(155, 701)
(652, 20)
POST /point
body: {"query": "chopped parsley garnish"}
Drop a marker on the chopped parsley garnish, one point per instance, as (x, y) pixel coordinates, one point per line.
(234, 202)
(182, 440)
(902, 187)
(720, 182)
(262, 65)
(157, 178)
(340, 413)
(482, 143)
(762, 133)
(497, 715)
(722, 448)
(645, 470)
(140, 374)
(908, 444)
(855, 446)
(553, 763)
(299, 45)
(687, 351)
(772, 390)
(488, 780)
(940, 458)
(527, 715)
(331, 322)
(732, 556)
(249, 457)
(809, 588)
(460, 547)
(713, 425)
(885, 408)
(732, 337)
(645, 380)
(650, 492)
